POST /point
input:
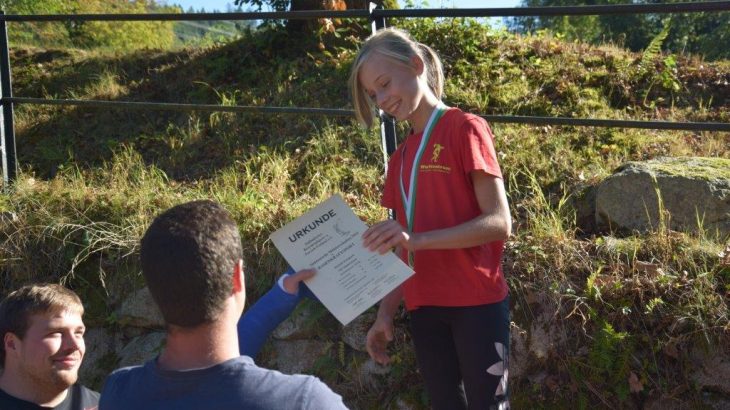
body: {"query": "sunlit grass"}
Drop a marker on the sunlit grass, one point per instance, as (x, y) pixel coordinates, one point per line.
(91, 181)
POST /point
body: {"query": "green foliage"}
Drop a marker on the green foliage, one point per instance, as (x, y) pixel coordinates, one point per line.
(666, 75)
(204, 33)
(208, 33)
(124, 35)
(91, 180)
(609, 360)
(35, 33)
(283, 5)
(654, 49)
(119, 35)
(34, 6)
(698, 33)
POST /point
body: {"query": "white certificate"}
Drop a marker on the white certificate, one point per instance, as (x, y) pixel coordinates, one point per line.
(350, 278)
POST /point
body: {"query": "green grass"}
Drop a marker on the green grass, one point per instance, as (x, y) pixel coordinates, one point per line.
(91, 180)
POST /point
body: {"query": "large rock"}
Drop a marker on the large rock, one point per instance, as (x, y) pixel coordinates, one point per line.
(546, 335)
(309, 320)
(519, 353)
(142, 349)
(712, 368)
(355, 333)
(140, 310)
(708, 372)
(583, 202)
(100, 357)
(296, 326)
(691, 190)
(371, 374)
(298, 356)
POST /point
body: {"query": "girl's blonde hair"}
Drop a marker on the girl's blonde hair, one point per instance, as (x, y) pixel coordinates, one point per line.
(401, 48)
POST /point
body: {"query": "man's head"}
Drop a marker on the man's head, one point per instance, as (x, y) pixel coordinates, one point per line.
(43, 336)
(189, 255)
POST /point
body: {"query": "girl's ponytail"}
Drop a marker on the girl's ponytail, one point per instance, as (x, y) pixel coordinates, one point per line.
(434, 69)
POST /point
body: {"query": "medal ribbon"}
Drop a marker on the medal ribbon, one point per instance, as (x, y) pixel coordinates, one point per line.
(409, 199)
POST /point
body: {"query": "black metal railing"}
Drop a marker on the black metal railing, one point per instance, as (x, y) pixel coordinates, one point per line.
(377, 18)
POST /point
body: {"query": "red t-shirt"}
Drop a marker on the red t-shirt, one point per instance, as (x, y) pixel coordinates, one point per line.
(460, 143)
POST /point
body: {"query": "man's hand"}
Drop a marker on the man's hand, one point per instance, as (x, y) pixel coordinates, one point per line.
(379, 335)
(291, 282)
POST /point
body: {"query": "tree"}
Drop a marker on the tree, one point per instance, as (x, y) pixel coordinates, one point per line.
(702, 33)
(89, 34)
(121, 34)
(33, 33)
(283, 5)
(34, 6)
(299, 5)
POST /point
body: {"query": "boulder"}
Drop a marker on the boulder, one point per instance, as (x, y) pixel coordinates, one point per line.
(355, 332)
(140, 310)
(371, 374)
(711, 372)
(100, 357)
(142, 349)
(296, 326)
(546, 335)
(519, 353)
(583, 201)
(298, 356)
(690, 189)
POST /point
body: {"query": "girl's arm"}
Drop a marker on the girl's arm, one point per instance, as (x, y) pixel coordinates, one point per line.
(493, 224)
(381, 332)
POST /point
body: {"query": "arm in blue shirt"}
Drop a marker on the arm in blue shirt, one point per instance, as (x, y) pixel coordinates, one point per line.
(266, 314)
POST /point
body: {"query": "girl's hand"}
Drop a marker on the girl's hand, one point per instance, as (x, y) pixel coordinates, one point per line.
(379, 335)
(384, 236)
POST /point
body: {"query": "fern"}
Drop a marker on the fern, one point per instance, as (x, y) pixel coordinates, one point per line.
(605, 346)
(609, 360)
(654, 49)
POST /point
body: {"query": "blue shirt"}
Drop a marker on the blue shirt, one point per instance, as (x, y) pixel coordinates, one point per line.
(234, 384)
(264, 316)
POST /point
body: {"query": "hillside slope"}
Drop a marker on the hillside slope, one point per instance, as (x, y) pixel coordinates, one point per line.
(92, 179)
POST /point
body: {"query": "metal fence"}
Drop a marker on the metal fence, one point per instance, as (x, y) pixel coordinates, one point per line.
(377, 18)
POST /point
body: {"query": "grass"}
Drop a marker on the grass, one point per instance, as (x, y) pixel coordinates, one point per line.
(91, 181)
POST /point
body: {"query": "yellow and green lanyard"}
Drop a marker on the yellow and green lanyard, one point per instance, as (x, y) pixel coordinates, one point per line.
(409, 199)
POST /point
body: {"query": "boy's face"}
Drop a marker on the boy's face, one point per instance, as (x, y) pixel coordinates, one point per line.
(393, 87)
(51, 352)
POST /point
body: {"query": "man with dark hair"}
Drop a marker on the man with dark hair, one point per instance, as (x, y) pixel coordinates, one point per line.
(192, 263)
(42, 349)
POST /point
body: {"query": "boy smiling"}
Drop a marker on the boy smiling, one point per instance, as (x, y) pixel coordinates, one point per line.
(42, 349)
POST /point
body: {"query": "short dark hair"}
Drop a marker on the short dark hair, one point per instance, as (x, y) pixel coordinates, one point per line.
(17, 308)
(188, 256)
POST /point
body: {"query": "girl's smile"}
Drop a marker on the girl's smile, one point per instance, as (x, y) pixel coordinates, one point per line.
(394, 87)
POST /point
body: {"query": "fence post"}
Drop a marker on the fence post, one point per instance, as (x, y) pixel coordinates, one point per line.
(7, 130)
(387, 123)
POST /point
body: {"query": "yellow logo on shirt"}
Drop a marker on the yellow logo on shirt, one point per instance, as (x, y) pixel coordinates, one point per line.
(433, 167)
(437, 148)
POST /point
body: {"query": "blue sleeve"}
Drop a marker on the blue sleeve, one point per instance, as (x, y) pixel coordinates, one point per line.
(263, 317)
(305, 292)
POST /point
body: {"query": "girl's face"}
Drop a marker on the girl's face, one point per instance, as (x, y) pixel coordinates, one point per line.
(395, 88)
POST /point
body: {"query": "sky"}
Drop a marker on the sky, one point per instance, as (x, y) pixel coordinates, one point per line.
(222, 5)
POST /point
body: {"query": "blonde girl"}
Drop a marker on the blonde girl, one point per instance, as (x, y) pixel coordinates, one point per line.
(452, 218)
